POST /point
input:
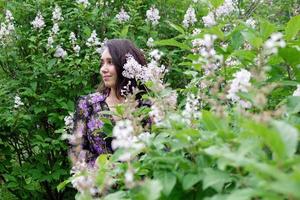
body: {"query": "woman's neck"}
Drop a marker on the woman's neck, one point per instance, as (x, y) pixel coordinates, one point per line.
(113, 98)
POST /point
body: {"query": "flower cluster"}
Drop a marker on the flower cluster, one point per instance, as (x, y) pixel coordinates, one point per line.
(38, 22)
(209, 58)
(156, 54)
(56, 14)
(189, 17)
(124, 138)
(251, 22)
(69, 123)
(93, 40)
(240, 83)
(85, 3)
(73, 39)
(150, 42)
(191, 110)
(7, 27)
(60, 52)
(122, 16)
(226, 8)
(209, 20)
(18, 102)
(297, 91)
(157, 114)
(153, 15)
(272, 44)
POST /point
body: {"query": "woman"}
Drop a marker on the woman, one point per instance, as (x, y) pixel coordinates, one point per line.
(110, 93)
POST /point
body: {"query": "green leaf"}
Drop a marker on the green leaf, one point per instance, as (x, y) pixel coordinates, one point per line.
(215, 178)
(292, 28)
(216, 3)
(150, 190)
(293, 104)
(168, 181)
(266, 29)
(62, 185)
(124, 31)
(176, 27)
(116, 196)
(172, 42)
(289, 136)
(252, 38)
(190, 180)
(290, 55)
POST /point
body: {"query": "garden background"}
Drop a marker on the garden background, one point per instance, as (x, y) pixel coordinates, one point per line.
(230, 120)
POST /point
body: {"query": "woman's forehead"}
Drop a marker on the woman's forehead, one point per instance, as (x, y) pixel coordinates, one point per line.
(105, 54)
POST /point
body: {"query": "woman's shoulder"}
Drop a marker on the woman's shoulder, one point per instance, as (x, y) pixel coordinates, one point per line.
(92, 98)
(95, 97)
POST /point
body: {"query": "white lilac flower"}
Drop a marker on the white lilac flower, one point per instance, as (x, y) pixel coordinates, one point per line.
(18, 102)
(240, 83)
(150, 42)
(85, 3)
(297, 91)
(271, 45)
(3, 30)
(209, 58)
(55, 28)
(251, 22)
(69, 123)
(132, 69)
(50, 42)
(156, 54)
(76, 49)
(189, 17)
(8, 16)
(153, 72)
(122, 16)
(191, 110)
(124, 138)
(230, 61)
(93, 40)
(153, 15)
(226, 8)
(38, 22)
(56, 14)
(209, 20)
(196, 31)
(60, 52)
(72, 37)
(157, 114)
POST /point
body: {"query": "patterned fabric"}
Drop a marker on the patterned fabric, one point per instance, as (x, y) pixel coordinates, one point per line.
(87, 122)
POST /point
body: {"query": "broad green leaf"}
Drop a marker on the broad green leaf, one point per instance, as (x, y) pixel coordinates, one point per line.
(254, 40)
(289, 136)
(292, 28)
(266, 29)
(293, 104)
(168, 181)
(190, 180)
(176, 27)
(290, 55)
(172, 42)
(215, 178)
(150, 190)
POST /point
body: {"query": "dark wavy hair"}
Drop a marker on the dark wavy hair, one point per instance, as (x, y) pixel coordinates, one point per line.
(118, 49)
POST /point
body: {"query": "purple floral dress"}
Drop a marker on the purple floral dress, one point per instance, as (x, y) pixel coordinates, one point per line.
(87, 121)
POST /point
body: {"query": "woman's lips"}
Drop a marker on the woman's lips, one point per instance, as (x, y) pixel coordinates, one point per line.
(106, 77)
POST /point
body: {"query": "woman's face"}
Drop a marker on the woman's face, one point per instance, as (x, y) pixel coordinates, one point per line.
(108, 70)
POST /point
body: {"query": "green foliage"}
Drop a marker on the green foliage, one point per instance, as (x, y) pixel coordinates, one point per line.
(214, 156)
